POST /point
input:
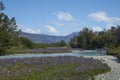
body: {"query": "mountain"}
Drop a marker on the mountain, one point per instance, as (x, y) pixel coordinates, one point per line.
(42, 38)
(70, 36)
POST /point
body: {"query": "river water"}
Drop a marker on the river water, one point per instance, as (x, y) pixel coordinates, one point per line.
(73, 53)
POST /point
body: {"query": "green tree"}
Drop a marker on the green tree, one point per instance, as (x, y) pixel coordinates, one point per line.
(8, 32)
(85, 39)
(2, 7)
(73, 42)
(117, 33)
(26, 43)
(63, 43)
(81, 42)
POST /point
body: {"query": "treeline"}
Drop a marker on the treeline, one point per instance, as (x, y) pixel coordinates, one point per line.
(27, 43)
(87, 39)
(62, 43)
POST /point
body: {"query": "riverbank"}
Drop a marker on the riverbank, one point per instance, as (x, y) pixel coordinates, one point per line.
(45, 50)
(113, 63)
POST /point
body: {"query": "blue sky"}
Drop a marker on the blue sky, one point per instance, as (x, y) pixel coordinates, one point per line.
(62, 17)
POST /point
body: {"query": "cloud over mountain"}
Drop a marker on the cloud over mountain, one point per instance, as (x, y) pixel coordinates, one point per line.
(51, 30)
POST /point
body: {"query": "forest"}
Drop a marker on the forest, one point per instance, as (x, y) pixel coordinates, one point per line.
(109, 39)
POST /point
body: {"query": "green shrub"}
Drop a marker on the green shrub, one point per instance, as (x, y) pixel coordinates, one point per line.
(115, 52)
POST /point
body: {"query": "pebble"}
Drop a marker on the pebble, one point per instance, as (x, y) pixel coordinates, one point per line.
(114, 74)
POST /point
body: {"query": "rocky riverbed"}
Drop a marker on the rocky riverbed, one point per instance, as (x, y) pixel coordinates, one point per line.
(114, 64)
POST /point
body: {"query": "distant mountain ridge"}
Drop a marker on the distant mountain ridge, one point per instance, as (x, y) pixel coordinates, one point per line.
(42, 38)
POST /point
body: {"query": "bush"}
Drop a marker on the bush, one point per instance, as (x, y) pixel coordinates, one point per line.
(115, 52)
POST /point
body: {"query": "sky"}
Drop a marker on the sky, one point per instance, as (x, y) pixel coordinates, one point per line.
(62, 17)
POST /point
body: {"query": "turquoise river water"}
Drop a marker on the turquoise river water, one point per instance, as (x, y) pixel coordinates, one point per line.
(73, 53)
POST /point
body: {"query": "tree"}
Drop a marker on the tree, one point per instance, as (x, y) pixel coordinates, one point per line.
(73, 42)
(26, 42)
(63, 43)
(85, 39)
(117, 33)
(2, 7)
(8, 32)
(81, 42)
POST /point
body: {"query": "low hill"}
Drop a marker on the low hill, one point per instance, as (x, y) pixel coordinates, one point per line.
(42, 38)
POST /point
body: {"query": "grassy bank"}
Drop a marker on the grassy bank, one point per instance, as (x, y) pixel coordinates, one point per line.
(51, 68)
(114, 52)
(27, 51)
(40, 50)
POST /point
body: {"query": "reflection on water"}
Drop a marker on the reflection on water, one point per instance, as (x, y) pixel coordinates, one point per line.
(74, 53)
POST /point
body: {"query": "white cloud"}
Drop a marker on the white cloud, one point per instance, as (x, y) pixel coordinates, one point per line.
(103, 17)
(28, 29)
(100, 16)
(96, 28)
(65, 16)
(51, 30)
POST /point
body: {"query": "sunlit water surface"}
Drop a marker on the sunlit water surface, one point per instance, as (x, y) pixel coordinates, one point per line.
(73, 53)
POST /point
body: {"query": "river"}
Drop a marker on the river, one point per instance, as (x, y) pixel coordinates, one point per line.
(73, 53)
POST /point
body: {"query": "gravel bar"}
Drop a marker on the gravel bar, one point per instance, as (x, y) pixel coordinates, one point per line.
(114, 64)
